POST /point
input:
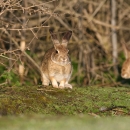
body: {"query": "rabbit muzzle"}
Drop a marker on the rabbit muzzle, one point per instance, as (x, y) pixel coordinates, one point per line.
(125, 75)
(60, 60)
(125, 72)
(64, 60)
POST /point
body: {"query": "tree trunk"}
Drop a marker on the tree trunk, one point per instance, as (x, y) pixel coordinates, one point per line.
(114, 36)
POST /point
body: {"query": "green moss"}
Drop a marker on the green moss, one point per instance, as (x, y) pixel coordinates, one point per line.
(17, 100)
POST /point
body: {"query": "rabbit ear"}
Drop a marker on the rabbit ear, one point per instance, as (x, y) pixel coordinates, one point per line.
(66, 38)
(54, 39)
(126, 51)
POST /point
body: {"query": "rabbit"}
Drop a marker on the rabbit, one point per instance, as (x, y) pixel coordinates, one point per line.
(125, 70)
(56, 65)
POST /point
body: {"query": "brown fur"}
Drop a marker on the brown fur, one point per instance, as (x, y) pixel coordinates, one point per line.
(125, 71)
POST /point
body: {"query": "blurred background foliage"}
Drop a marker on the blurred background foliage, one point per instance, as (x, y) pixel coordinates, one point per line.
(99, 27)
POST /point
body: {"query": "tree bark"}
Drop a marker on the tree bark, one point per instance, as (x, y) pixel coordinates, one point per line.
(114, 35)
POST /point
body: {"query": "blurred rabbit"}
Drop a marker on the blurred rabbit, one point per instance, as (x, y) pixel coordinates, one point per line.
(56, 65)
(125, 71)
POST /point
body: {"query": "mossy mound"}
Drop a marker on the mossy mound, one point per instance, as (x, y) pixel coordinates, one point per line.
(95, 101)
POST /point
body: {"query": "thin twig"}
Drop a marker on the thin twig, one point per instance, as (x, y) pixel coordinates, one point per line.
(26, 55)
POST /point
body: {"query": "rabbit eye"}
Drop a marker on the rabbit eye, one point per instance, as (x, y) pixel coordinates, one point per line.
(57, 52)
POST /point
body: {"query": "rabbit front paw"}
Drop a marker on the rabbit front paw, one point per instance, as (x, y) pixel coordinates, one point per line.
(55, 85)
(62, 84)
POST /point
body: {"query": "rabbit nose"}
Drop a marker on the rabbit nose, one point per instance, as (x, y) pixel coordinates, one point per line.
(63, 59)
(124, 75)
